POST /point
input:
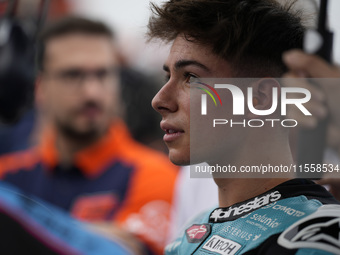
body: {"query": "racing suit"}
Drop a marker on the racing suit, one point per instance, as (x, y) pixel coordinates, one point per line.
(296, 217)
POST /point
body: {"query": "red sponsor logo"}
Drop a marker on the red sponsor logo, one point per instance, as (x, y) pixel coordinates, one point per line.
(94, 207)
(196, 233)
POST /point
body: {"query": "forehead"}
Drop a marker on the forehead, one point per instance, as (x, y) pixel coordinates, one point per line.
(183, 49)
(79, 50)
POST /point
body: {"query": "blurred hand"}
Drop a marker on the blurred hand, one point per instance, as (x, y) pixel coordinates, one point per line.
(316, 106)
(333, 184)
(325, 98)
(114, 232)
(324, 101)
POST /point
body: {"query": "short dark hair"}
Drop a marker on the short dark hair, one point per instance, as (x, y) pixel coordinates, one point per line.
(65, 26)
(250, 34)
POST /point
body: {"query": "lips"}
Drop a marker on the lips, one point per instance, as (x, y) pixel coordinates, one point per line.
(171, 132)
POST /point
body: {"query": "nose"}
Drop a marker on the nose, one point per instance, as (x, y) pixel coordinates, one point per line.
(165, 100)
(92, 86)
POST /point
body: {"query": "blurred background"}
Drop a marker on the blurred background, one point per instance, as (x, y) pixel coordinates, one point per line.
(129, 18)
(143, 60)
(141, 76)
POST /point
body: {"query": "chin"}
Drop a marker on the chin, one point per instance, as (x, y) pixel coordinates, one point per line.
(81, 134)
(179, 159)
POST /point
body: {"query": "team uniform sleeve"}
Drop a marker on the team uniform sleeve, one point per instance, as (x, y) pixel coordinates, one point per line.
(146, 210)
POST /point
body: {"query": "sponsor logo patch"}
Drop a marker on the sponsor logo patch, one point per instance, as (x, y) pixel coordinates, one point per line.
(94, 207)
(197, 233)
(222, 245)
(241, 209)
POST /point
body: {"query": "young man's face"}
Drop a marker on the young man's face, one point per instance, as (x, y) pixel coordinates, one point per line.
(79, 84)
(186, 60)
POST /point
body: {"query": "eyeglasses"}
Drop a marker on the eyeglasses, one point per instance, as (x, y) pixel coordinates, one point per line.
(76, 77)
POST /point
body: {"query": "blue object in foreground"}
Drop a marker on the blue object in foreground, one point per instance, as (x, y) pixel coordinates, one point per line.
(51, 227)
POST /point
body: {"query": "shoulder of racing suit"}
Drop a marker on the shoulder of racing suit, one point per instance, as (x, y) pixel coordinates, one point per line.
(296, 217)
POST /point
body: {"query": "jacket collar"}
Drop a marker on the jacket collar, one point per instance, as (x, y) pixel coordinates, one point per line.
(92, 160)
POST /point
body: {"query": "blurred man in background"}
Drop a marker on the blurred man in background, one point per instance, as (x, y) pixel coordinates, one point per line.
(87, 163)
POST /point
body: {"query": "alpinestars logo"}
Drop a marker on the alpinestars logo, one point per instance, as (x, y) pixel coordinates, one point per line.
(241, 209)
(197, 233)
(318, 232)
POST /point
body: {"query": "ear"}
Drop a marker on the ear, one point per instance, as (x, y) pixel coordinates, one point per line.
(263, 97)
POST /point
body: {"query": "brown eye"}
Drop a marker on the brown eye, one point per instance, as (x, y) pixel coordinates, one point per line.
(189, 78)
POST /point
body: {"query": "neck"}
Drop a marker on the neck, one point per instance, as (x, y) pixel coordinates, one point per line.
(256, 154)
(232, 191)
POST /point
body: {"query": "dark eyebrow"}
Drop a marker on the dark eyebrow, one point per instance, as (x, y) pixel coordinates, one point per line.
(183, 63)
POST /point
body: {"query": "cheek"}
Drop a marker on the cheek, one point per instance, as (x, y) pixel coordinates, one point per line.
(111, 100)
(58, 101)
(186, 108)
(206, 140)
(113, 94)
(187, 102)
